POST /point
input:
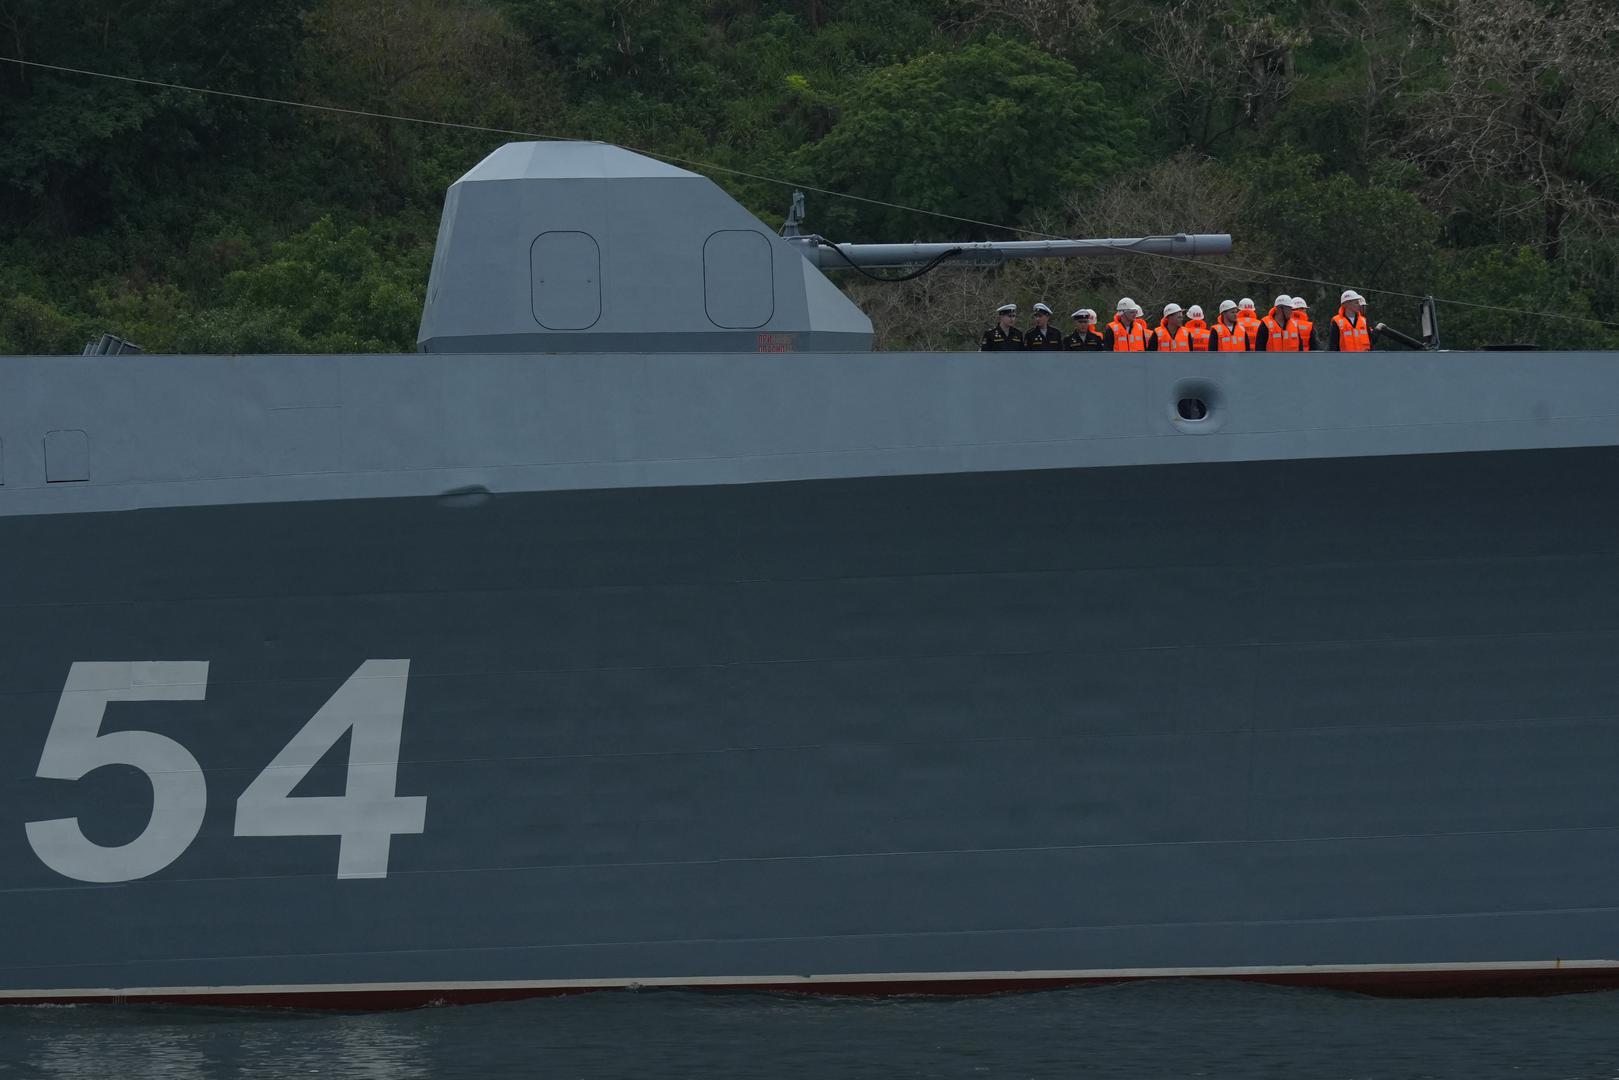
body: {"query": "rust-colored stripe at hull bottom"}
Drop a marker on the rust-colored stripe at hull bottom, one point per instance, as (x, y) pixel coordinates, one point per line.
(1410, 981)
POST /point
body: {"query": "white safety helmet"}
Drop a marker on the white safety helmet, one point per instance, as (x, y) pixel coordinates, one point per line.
(1349, 295)
(1299, 304)
(1231, 305)
(1195, 311)
(1171, 309)
(1246, 304)
(1127, 304)
(1283, 300)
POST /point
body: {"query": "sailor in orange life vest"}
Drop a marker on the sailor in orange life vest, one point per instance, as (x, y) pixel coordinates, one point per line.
(1248, 319)
(1086, 337)
(1276, 331)
(1172, 334)
(1306, 328)
(1229, 333)
(1197, 328)
(1003, 336)
(1128, 330)
(1349, 331)
(1043, 335)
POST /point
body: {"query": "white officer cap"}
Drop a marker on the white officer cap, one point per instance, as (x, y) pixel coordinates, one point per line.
(1298, 302)
(1006, 309)
(1171, 309)
(1127, 304)
(1041, 307)
(1195, 311)
(1079, 314)
(1351, 294)
(1231, 305)
(1283, 300)
(1247, 304)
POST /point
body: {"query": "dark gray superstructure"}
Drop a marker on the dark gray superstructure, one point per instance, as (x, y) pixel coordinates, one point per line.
(388, 679)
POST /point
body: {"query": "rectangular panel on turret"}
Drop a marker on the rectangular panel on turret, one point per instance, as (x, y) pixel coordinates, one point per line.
(739, 282)
(566, 268)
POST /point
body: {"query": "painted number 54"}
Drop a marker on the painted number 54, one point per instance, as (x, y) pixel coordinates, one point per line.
(370, 704)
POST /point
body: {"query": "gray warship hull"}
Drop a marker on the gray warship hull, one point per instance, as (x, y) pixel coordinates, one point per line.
(854, 673)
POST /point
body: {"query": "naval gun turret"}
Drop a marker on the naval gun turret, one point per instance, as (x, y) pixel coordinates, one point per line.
(586, 247)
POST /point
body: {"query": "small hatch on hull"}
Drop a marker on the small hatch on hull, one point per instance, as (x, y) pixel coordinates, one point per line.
(67, 456)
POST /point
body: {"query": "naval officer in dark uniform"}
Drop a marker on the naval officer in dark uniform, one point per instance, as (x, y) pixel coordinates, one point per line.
(1044, 335)
(1003, 336)
(1085, 338)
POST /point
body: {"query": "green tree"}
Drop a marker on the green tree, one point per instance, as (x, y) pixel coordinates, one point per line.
(75, 152)
(456, 60)
(1526, 122)
(29, 325)
(1507, 285)
(327, 289)
(1336, 229)
(991, 132)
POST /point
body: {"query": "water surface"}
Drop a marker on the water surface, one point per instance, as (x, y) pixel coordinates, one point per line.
(1141, 1030)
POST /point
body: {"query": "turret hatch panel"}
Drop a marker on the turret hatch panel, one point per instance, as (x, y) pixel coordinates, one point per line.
(566, 268)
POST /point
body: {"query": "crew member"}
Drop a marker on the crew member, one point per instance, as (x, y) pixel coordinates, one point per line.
(1276, 331)
(1248, 318)
(1171, 334)
(1230, 335)
(1128, 331)
(1043, 335)
(1306, 328)
(1003, 336)
(1086, 337)
(1197, 328)
(1349, 331)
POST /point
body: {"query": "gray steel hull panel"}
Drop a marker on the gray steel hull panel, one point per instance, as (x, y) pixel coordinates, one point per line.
(1339, 712)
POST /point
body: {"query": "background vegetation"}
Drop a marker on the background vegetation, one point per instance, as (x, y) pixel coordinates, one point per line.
(1465, 148)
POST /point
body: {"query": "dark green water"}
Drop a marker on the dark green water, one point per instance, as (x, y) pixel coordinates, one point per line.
(1137, 1031)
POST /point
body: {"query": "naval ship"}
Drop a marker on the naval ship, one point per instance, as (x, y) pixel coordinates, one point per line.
(645, 628)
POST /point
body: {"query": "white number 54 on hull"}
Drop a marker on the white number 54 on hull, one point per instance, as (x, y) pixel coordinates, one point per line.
(371, 704)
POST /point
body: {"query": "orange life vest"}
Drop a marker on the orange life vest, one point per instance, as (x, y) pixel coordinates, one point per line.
(1200, 334)
(1352, 337)
(1232, 339)
(1306, 330)
(1179, 341)
(1280, 336)
(1131, 340)
(1250, 325)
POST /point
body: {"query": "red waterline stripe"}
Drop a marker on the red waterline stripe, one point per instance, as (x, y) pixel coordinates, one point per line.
(1422, 982)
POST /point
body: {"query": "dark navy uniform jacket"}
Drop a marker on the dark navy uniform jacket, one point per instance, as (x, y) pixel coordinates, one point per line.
(1049, 338)
(1086, 340)
(998, 340)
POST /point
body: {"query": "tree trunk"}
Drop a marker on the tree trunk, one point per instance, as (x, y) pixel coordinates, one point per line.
(1556, 217)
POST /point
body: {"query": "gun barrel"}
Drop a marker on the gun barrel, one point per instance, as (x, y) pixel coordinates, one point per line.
(829, 256)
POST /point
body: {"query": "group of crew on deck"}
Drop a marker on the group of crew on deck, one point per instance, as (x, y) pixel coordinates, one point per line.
(1238, 327)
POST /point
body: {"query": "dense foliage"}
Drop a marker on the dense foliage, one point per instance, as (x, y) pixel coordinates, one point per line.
(1463, 148)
